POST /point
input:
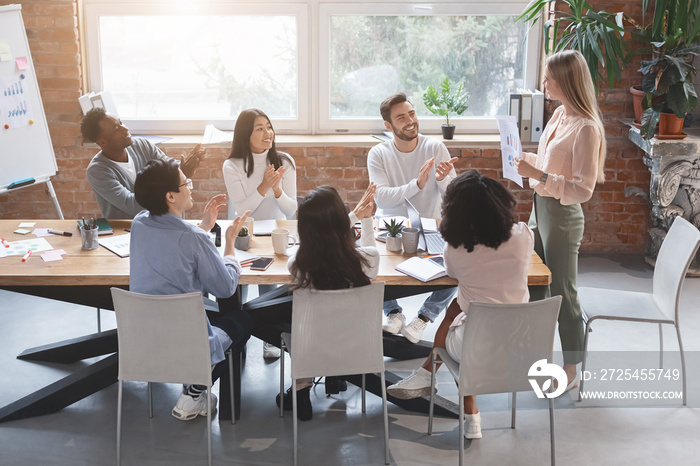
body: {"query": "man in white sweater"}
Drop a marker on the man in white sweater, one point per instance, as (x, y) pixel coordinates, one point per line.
(419, 169)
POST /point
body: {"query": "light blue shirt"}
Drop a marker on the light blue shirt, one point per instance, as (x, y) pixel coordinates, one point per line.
(171, 256)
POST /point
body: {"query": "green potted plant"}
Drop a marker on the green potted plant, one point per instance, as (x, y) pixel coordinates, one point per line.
(393, 237)
(242, 240)
(673, 39)
(445, 102)
(598, 35)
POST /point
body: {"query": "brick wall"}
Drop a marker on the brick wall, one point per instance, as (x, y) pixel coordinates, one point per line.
(613, 222)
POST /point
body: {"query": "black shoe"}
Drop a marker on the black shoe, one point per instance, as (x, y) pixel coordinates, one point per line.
(335, 385)
(304, 411)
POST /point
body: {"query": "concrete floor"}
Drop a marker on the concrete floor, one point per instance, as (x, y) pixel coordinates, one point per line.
(592, 432)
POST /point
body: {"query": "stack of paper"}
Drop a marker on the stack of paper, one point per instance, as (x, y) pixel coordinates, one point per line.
(421, 269)
(245, 258)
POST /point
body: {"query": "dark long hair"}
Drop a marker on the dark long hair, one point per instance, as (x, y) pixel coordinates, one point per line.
(327, 258)
(240, 148)
(477, 210)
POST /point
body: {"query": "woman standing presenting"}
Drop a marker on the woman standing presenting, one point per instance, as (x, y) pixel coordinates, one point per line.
(259, 179)
(563, 173)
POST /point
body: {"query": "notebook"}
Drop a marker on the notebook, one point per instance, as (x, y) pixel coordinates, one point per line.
(421, 269)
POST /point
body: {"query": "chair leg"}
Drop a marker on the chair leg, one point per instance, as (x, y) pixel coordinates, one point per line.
(99, 321)
(282, 348)
(386, 419)
(551, 429)
(294, 418)
(461, 428)
(585, 356)
(230, 386)
(512, 416)
(432, 395)
(661, 347)
(150, 400)
(209, 425)
(119, 422)
(680, 347)
(364, 399)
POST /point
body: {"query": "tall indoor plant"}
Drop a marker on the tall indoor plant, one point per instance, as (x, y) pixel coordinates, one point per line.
(673, 40)
(598, 35)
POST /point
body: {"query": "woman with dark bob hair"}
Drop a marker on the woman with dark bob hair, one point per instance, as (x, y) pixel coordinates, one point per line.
(328, 259)
(258, 177)
(489, 253)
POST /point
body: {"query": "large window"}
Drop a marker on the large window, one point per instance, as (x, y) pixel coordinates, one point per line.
(312, 66)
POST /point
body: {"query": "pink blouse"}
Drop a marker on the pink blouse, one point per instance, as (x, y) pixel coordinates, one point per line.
(569, 156)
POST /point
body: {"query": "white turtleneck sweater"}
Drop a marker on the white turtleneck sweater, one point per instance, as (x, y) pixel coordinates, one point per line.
(243, 191)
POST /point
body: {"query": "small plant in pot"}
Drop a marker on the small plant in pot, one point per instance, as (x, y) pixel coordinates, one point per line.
(242, 240)
(445, 102)
(393, 237)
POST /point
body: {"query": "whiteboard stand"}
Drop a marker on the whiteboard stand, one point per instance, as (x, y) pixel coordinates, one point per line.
(49, 190)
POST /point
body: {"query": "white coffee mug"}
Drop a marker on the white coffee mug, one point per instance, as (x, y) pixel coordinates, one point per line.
(281, 240)
(249, 223)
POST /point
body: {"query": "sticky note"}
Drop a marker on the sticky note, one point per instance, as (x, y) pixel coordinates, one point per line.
(22, 231)
(22, 63)
(5, 53)
(27, 224)
(51, 256)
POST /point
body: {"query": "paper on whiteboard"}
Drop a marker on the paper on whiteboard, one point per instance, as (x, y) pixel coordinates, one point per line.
(14, 102)
(510, 147)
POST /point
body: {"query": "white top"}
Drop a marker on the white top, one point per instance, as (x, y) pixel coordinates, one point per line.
(367, 248)
(569, 151)
(243, 191)
(395, 173)
(491, 275)
(128, 168)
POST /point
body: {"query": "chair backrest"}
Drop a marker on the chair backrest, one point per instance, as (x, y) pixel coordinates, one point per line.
(162, 338)
(502, 341)
(675, 255)
(337, 332)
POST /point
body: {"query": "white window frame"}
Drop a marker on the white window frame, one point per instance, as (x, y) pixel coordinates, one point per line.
(326, 124)
(313, 25)
(94, 9)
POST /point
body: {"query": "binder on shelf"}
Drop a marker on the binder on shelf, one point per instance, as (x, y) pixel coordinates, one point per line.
(526, 115)
(514, 107)
(537, 115)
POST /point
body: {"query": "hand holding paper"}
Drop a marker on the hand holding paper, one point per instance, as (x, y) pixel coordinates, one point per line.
(511, 149)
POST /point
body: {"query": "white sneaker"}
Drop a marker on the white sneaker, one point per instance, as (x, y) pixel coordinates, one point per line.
(271, 351)
(416, 385)
(394, 323)
(414, 331)
(188, 407)
(472, 426)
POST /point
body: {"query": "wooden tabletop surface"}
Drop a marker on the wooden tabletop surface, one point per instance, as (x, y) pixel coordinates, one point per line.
(102, 267)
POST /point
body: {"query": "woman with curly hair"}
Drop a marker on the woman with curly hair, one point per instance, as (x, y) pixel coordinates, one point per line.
(489, 254)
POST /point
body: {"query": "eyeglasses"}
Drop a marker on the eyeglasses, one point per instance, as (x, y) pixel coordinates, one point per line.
(188, 183)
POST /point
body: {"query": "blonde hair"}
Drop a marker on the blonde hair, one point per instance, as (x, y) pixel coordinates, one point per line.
(570, 70)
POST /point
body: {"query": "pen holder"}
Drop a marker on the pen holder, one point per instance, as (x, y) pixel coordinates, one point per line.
(89, 238)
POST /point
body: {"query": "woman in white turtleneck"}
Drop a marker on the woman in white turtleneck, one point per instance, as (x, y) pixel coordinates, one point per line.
(257, 177)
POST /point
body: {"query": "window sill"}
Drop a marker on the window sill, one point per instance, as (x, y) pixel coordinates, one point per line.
(345, 140)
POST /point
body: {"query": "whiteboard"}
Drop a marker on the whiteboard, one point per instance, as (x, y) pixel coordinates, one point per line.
(26, 151)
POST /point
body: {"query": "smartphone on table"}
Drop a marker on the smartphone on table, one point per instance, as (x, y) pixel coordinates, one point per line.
(261, 264)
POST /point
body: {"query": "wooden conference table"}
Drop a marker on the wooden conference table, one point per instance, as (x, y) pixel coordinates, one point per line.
(84, 277)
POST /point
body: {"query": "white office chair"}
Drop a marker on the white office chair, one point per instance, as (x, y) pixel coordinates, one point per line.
(337, 332)
(164, 339)
(501, 343)
(658, 307)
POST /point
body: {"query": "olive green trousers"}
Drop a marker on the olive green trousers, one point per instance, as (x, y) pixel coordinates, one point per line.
(558, 232)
